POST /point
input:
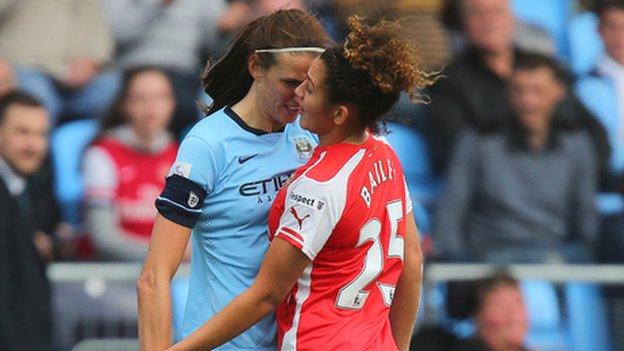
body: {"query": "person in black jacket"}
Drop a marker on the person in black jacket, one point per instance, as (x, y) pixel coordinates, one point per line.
(473, 94)
(25, 322)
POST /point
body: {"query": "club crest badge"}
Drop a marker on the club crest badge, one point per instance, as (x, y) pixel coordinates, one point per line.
(193, 200)
(304, 148)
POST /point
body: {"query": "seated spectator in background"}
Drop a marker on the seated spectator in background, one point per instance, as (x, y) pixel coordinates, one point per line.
(473, 93)
(527, 36)
(169, 34)
(241, 12)
(125, 168)
(500, 315)
(525, 193)
(603, 91)
(58, 50)
(497, 306)
(25, 322)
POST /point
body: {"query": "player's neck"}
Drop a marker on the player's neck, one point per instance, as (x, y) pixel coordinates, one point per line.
(249, 109)
(337, 136)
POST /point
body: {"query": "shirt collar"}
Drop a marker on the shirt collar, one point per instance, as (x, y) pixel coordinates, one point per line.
(128, 137)
(609, 67)
(14, 182)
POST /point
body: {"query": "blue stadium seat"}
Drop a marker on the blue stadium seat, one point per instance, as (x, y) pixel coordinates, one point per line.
(585, 44)
(424, 188)
(179, 293)
(552, 15)
(587, 318)
(411, 148)
(68, 143)
(546, 332)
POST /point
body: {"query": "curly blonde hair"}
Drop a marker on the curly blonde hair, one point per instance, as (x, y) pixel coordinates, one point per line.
(372, 68)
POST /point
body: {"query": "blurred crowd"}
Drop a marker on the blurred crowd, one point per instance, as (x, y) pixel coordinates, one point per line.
(524, 134)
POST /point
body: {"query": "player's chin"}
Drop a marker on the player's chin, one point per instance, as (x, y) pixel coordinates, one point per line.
(289, 114)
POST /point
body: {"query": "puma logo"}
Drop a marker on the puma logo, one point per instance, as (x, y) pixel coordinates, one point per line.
(296, 215)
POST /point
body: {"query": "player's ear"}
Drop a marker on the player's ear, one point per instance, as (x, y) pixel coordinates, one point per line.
(342, 113)
(254, 67)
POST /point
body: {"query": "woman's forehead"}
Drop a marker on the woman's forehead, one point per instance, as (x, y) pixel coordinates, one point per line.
(294, 64)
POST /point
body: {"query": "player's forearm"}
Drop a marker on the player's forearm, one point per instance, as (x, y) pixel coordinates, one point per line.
(405, 303)
(154, 314)
(241, 314)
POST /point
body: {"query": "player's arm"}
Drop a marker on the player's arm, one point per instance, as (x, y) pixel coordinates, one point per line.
(167, 246)
(282, 266)
(407, 294)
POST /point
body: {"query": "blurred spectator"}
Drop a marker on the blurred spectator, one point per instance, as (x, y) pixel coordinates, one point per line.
(241, 12)
(499, 312)
(525, 193)
(169, 34)
(473, 94)
(58, 50)
(24, 291)
(500, 315)
(526, 36)
(125, 168)
(603, 91)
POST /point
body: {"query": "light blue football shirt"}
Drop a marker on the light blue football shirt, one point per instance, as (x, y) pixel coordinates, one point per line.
(241, 169)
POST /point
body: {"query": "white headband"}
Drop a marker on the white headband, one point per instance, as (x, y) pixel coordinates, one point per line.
(292, 49)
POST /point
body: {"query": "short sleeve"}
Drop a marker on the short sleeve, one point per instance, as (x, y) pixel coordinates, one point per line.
(100, 176)
(190, 180)
(196, 160)
(310, 215)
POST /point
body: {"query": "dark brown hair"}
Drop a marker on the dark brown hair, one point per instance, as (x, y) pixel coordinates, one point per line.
(532, 61)
(228, 80)
(372, 68)
(483, 287)
(116, 114)
(603, 6)
(16, 97)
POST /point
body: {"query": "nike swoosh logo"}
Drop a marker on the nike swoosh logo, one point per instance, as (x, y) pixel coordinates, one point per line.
(243, 159)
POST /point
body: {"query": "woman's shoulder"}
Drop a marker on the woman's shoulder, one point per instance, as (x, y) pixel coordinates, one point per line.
(209, 125)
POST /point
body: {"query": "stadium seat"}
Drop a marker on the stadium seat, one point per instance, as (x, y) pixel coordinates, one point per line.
(546, 329)
(585, 44)
(412, 150)
(68, 143)
(552, 15)
(587, 318)
(179, 293)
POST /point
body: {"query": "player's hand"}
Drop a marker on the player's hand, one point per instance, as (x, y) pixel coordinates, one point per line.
(81, 72)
